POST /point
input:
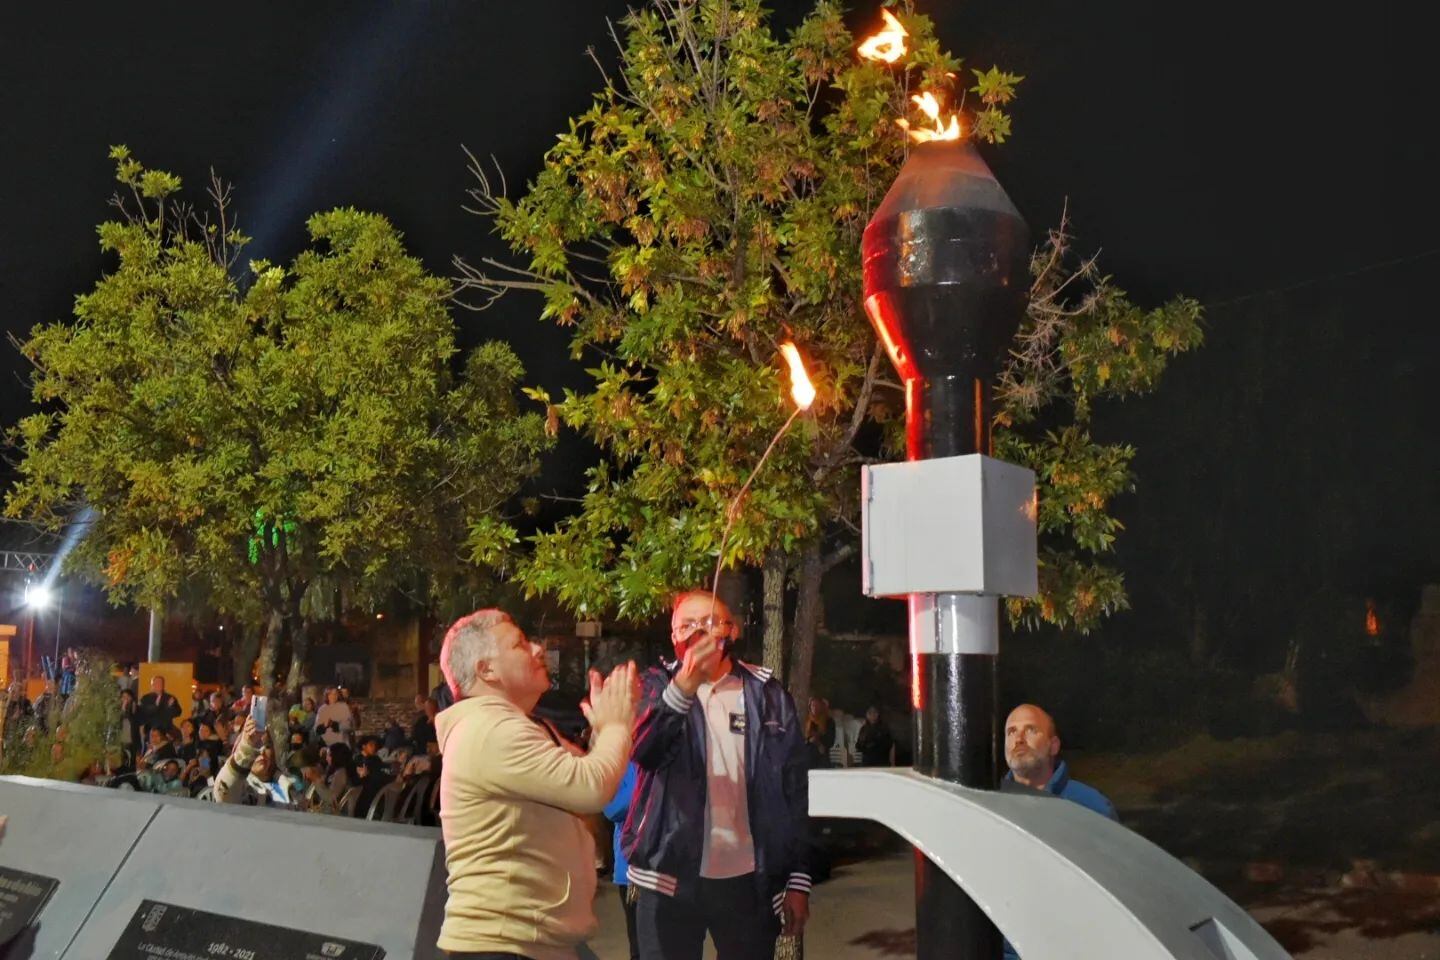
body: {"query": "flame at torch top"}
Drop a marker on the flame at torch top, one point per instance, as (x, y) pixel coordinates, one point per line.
(930, 106)
(801, 390)
(888, 45)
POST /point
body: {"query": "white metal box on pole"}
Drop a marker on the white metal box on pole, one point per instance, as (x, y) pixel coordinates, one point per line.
(948, 525)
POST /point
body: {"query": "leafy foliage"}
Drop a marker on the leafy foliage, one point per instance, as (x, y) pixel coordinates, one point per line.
(709, 205)
(1082, 341)
(240, 445)
(706, 207)
(85, 729)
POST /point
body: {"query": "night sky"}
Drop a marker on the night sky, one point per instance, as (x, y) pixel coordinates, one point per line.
(1271, 162)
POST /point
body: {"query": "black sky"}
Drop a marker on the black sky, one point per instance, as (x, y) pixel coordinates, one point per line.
(1221, 150)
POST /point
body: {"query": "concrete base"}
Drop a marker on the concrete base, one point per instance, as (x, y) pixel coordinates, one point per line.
(1058, 880)
(79, 836)
(371, 882)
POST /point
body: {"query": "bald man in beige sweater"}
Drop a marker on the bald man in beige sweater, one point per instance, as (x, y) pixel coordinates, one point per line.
(520, 858)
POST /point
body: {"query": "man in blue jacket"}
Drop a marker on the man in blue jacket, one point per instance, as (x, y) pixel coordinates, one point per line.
(615, 812)
(1032, 750)
(716, 834)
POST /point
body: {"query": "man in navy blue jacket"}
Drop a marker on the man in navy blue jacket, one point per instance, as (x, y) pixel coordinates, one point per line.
(716, 834)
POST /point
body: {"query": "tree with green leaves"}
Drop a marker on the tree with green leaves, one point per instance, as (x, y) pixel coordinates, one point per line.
(708, 206)
(274, 449)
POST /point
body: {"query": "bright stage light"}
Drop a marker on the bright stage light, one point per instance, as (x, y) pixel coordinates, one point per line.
(37, 596)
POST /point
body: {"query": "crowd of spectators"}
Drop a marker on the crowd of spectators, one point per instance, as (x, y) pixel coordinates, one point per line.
(306, 757)
(839, 739)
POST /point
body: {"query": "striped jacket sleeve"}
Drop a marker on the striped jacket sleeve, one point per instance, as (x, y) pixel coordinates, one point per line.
(661, 728)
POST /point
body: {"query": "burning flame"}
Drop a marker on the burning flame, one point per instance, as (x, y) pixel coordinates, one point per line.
(888, 45)
(930, 106)
(801, 389)
(1372, 622)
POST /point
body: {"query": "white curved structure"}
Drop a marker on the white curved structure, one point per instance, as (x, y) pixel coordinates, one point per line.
(1060, 881)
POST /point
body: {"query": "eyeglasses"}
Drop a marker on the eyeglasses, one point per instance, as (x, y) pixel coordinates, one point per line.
(707, 624)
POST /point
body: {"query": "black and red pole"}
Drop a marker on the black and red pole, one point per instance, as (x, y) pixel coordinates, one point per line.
(946, 276)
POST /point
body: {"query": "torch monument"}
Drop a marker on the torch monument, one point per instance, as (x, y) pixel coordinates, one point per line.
(946, 258)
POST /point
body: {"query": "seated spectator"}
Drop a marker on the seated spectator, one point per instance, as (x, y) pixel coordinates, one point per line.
(211, 745)
(96, 776)
(398, 758)
(225, 729)
(334, 721)
(302, 717)
(211, 708)
(160, 749)
(298, 742)
(268, 783)
(369, 754)
(427, 762)
(313, 770)
(874, 743)
(187, 748)
(340, 774)
(164, 779)
(394, 738)
(372, 773)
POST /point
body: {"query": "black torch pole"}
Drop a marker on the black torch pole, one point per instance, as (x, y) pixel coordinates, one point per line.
(946, 266)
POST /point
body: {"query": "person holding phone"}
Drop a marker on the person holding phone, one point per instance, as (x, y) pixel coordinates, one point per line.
(230, 783)
(716, 835)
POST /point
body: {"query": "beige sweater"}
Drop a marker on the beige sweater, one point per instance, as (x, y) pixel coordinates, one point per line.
(521, 861)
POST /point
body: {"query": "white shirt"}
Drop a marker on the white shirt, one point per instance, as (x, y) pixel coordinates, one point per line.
(729, 847)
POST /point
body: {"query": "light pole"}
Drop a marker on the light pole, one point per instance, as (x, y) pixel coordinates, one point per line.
(946, 259)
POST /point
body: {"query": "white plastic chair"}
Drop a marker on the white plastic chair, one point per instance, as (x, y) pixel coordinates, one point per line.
(414, 802)
(383, 806)
(348, 800)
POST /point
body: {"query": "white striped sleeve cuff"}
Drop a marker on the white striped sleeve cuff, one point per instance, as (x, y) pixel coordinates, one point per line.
(798, 881)
(676, 700)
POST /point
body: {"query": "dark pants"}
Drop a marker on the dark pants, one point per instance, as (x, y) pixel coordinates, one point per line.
(630, 932)
(742, 925)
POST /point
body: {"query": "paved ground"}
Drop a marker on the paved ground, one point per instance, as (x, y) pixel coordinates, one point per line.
(866, 912)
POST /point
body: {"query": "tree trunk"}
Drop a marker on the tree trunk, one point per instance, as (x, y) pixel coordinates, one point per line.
(242, 653)
(270, 649)
(773, 611)
(299, 655)
(807, 625)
